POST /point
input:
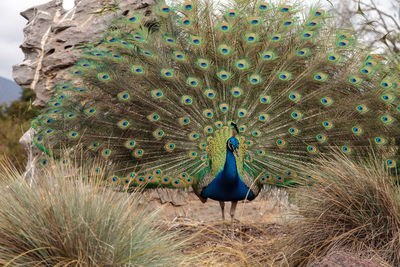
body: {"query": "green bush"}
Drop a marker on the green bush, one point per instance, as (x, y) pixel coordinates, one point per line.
(59, 221)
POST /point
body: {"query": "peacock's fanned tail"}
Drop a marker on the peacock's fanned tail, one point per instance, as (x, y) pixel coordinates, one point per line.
(150, 97)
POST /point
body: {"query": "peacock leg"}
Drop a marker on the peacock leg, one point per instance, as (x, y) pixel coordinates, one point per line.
(233, 209)
(222, 204)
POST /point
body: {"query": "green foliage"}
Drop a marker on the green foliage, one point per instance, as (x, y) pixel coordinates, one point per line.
(61, 222)
(351, 206)
(14, 121)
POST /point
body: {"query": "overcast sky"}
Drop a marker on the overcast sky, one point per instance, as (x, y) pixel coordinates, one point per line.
(11, 35)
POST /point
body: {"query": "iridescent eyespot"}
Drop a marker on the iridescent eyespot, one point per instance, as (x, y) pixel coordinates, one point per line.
(242, 112)
(184, 121)
(390, 163)
(203, 63)
(103, 76)
(386, 84)
(178, 55)
(196, 40)
(263, 117)
(194, 136)
(192, 82)
(357, 130)
(288, 22)
(327, 125)
(187, 100)
(312, 23)
(157, 93)
(94, 145)
(90, 111)
(294, 96)
(280, 143)
(293, 131)
(106, 153)
(334, 58)
(158, 133)
(303, 52)
(124, 96)
(218, 124)
(296, 115)
(388, 98)
(167, 73)
(123, 124)
(137, 69)
(343, 43)
(312, 149)
(224, 107)
(130, 144)
(256, 133)
(210, 93)
(242, 64)
(251, 37)
(366, 71)
(208, 129)
(319, 13)
(236, 92)
(263, 6)
(255, 79)
(223, 75)
(320, 77)
(326, 101)
(355, 80)
(307, 35)
(361, 108)
(285, 9)
(321, 138)
(380, 140)
(72, 135)
(208, 113)
(284, 76)
(386, 119)
(254, 21)
(224, 50)
(169, 147)
(231, 13)
(264, 99)
(225, 27)
(193, 154)
(138, 153)
(268, 56)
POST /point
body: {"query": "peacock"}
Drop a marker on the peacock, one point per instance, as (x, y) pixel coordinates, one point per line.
(222, 98)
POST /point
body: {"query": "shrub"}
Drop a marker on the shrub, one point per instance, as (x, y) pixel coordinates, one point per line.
(351, 205)
(59, 221)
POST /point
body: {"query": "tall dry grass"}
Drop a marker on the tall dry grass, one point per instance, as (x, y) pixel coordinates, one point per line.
(351, 206)
(59, 221)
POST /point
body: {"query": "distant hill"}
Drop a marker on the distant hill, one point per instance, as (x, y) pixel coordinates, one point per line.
(9, 90)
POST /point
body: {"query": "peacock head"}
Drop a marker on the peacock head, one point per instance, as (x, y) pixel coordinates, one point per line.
(233, 143)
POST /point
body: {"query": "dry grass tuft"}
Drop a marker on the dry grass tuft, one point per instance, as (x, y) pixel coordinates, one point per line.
(240, 244)
(64, 222)
(351, 205)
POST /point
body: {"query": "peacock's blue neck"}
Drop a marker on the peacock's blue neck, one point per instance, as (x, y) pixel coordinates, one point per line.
(230, 174)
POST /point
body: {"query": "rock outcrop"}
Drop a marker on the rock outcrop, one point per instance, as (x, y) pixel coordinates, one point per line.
(52, 34)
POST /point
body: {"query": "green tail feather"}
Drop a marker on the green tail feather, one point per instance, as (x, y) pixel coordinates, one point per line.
(150, 97)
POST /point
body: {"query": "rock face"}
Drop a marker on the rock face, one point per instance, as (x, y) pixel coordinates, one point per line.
(51, 35)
